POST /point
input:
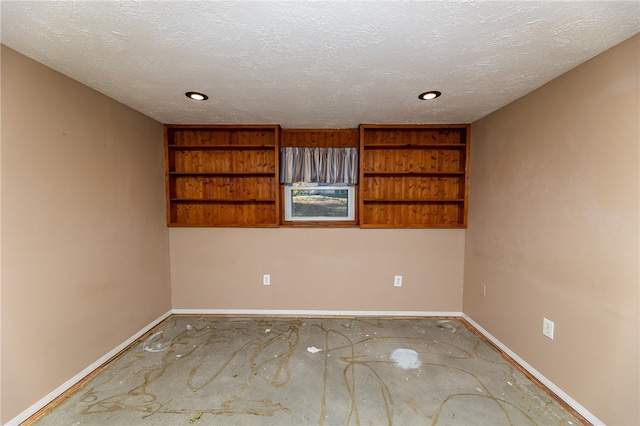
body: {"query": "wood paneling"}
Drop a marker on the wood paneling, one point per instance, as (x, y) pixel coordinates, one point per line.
(419, 214)
(241, 214)
(223, 161)
(232, 188)
(412, 160)
(211, 136)
(413, 188)
(322, 138)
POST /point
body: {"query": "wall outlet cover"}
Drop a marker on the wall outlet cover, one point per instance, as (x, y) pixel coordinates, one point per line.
(547, 328)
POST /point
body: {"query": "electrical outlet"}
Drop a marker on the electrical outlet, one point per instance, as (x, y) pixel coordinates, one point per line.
(397, 281)
(483, 289)
(266, 279)
(547, 328)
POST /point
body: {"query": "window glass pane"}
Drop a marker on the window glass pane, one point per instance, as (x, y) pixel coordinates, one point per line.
(314, 201)
(320, 202)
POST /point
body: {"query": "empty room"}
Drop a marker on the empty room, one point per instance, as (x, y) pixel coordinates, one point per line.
(320, 213)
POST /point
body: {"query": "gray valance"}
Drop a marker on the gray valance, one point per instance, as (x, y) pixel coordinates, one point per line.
(319, 165)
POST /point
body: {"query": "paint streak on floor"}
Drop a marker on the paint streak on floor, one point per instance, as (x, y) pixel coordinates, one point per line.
(366, 371)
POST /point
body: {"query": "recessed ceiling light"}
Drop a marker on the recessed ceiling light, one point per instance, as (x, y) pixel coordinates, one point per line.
(196, 96)
(432, 94)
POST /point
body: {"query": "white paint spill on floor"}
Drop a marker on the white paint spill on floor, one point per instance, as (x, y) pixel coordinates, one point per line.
(407, 359)
(313, 349)
(157, 347)
(447, 324)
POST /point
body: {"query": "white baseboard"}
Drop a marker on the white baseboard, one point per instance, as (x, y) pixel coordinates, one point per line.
(310, 313)
(81, 375)
(535, 373)
(285, 312)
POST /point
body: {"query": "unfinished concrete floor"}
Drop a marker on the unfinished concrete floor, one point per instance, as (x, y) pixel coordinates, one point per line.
(281, 371)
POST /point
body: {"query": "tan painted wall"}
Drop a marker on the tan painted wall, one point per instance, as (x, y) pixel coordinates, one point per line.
(317, 269)
(553, 231)
(85, 260)
(1, 247)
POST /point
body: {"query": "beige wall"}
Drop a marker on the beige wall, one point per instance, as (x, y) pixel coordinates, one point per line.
(317, 269)
(0, 248)
(85, 261)
(553, 231)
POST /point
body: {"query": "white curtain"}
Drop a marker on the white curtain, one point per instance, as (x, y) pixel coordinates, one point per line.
(319, 165)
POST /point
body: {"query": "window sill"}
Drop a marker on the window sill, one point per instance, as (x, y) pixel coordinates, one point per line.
(320, 224)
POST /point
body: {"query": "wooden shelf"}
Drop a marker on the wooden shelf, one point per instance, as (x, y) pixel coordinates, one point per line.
(416, 146)
(220, 224)
(218, 200)
(414, 176)
(409, 174)
(219, 196)
(411, 201)
(410, 226)
(238, 174)
(227, 147)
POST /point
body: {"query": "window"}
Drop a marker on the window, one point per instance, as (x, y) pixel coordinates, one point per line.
(319, 184)
(311, 202)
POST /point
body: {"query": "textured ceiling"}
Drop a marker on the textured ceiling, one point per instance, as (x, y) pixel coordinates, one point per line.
(308, 64)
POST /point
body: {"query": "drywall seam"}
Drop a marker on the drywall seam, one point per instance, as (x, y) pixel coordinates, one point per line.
(310, 313)
(535, 373)
(84, 373)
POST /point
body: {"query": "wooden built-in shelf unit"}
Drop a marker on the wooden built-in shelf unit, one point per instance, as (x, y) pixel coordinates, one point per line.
(414, 176)
(222, 175)
(411, 176)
